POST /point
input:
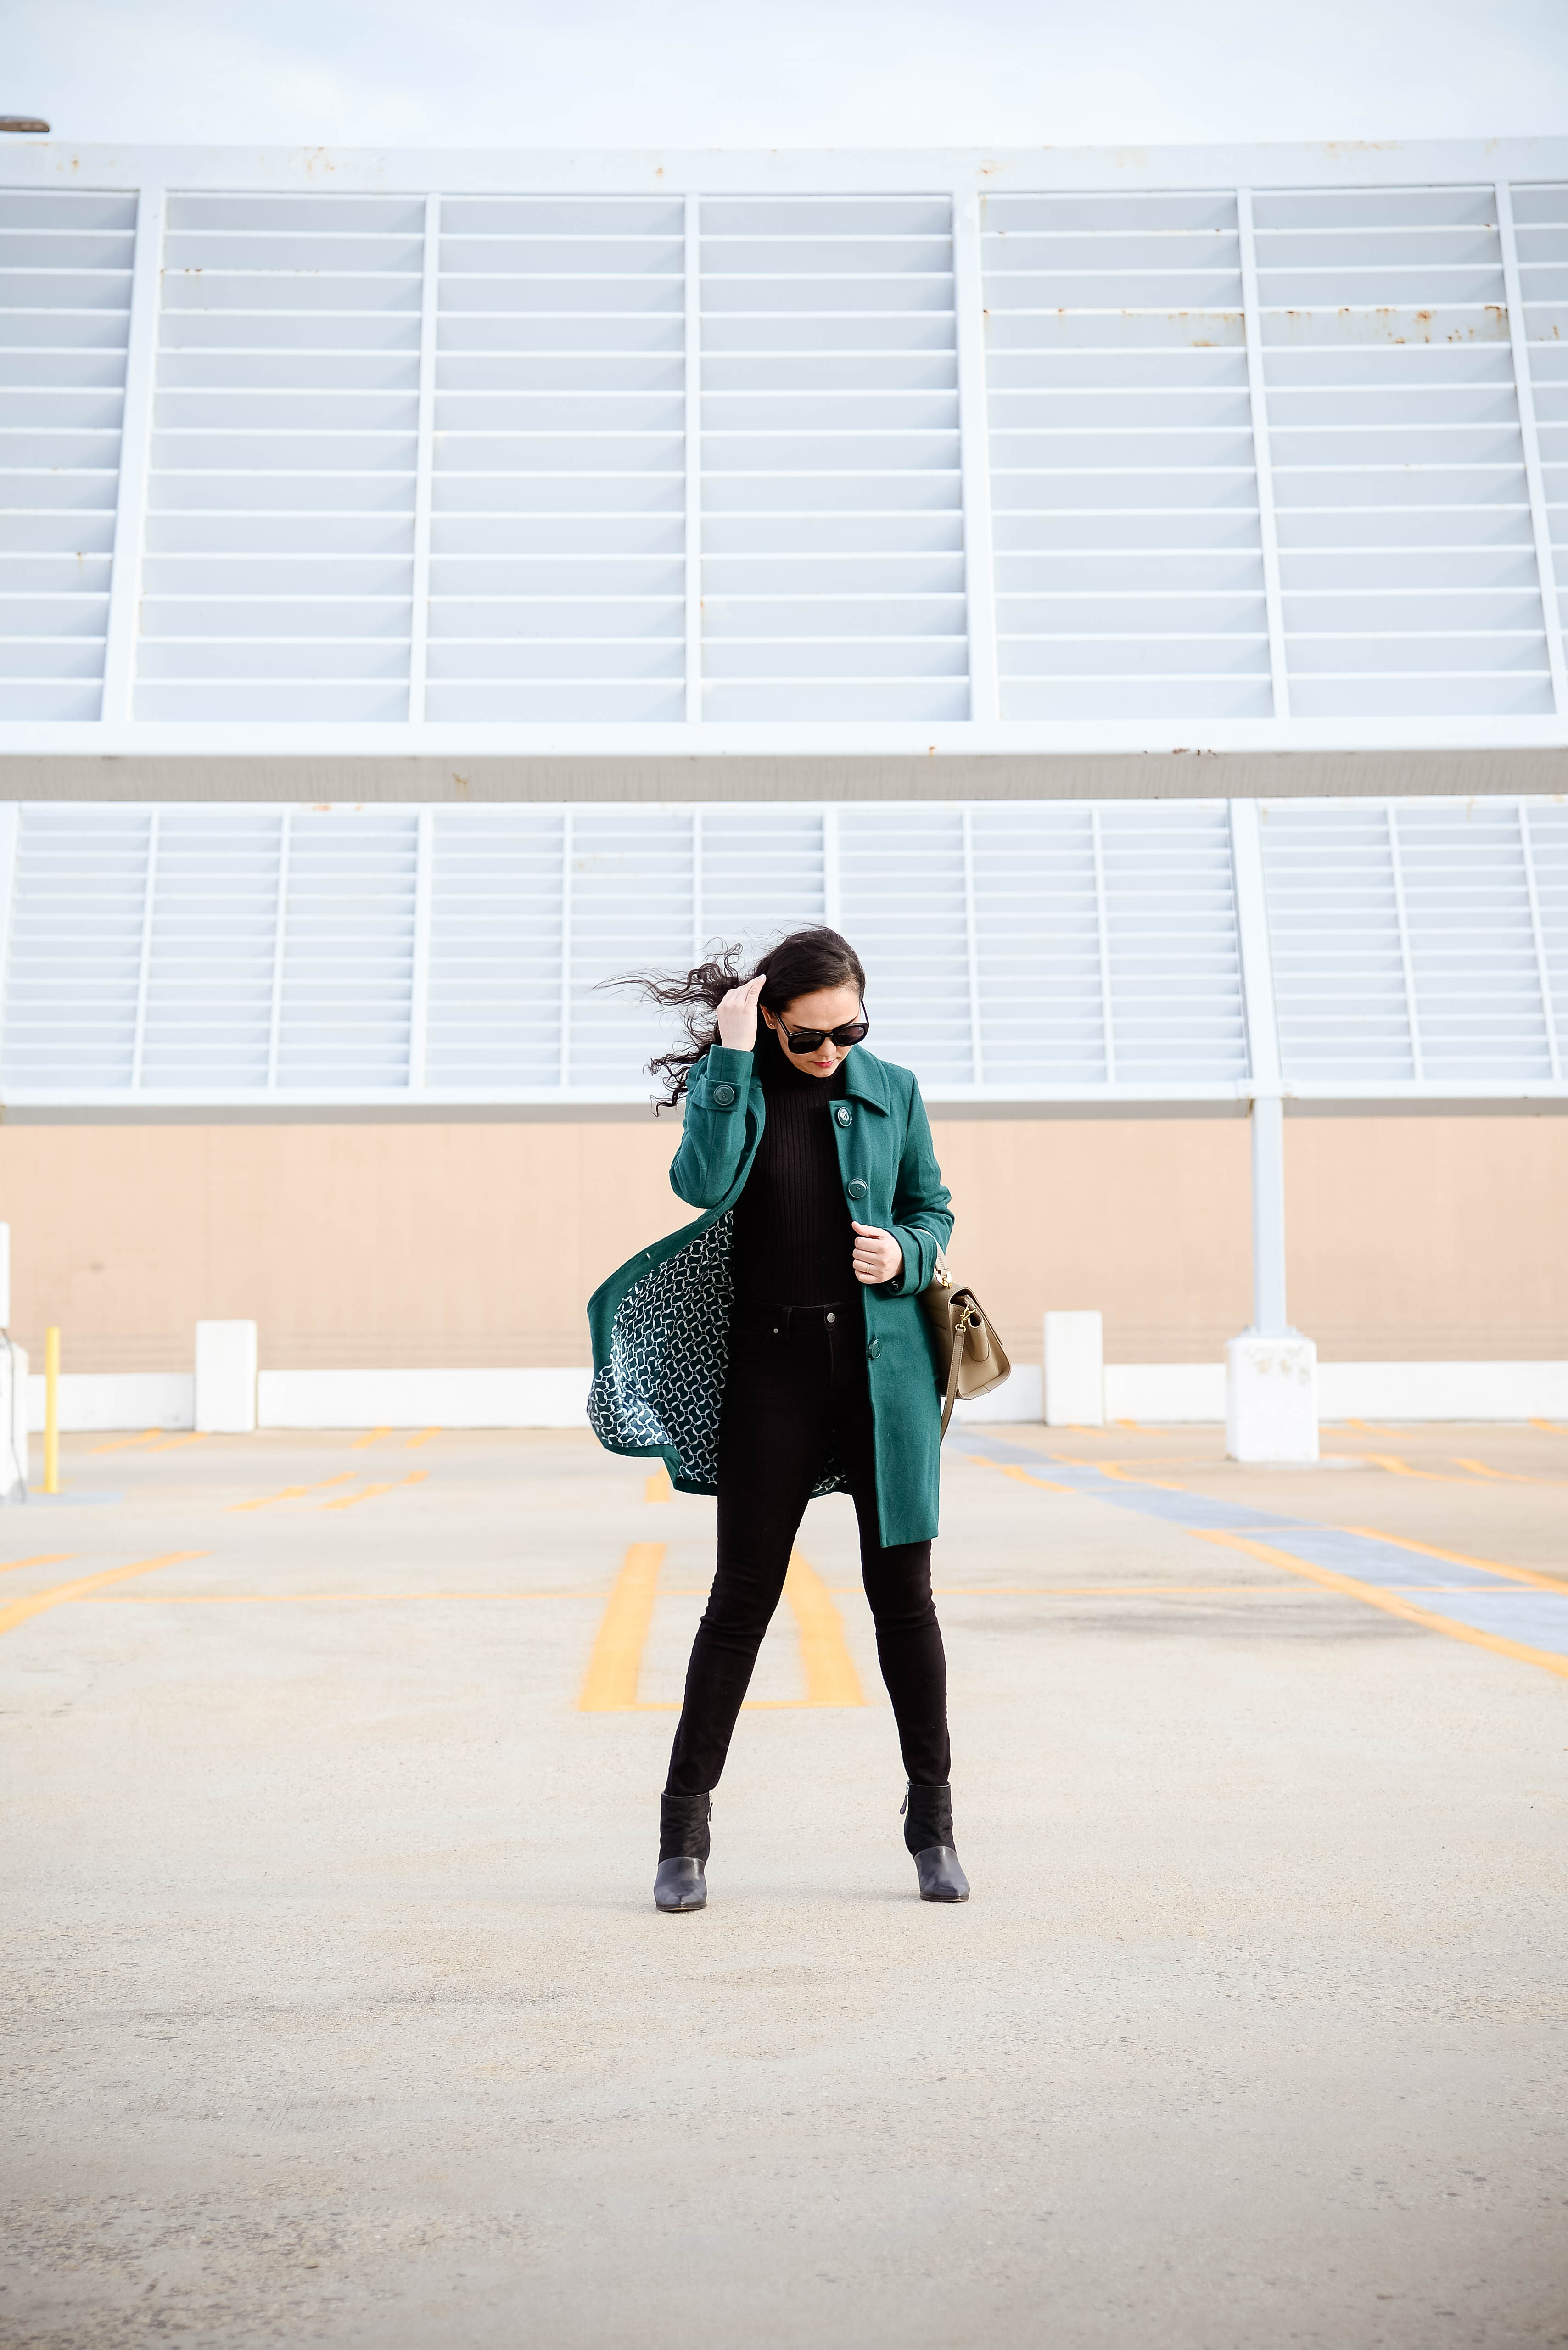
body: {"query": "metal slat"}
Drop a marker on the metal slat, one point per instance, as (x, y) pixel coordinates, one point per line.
(1374, 330)
(1538, 935)
(1120, 421)
(692, 427)
(307, 628)
(823, 326)
(980, 579)
(424, 467)
(1258, 402)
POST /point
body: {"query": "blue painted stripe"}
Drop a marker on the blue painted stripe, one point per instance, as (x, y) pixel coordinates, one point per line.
(1470, 1596)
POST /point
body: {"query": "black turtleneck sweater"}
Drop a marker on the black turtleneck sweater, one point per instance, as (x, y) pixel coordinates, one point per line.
(792, 1244)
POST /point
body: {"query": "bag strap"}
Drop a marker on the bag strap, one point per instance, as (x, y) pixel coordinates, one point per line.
(955, 1364)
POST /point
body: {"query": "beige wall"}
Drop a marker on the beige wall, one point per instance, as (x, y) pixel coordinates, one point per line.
(475, 1244)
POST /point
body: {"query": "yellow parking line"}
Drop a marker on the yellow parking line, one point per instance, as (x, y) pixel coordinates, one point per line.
(121, 1443)
(1022, 1476)
(609, 1685)
(40, 1558)
(305, 1598)
(296, 1492)
(1397, 1468)
(1390, 1602)
(1127, 1476)
(659, 1487)
(35, 1604)
(369, 1494)
(373, 1436)
(423, 1437)
(1460, 1558)
(830, 1675)
(1503, 1476)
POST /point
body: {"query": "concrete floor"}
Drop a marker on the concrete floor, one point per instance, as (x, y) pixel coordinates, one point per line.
(339, 2011)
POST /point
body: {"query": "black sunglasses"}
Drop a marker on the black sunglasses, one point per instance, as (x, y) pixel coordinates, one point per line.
(812, 1040)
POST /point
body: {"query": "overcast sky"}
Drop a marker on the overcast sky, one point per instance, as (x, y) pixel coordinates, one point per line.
(761, 73)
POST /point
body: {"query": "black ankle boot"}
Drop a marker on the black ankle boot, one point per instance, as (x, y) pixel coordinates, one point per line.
(929, 1835)
(684, 1843)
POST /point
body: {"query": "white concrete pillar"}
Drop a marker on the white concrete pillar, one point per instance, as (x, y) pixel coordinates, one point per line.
(1074, 1378)
(1268, 1137)
(1271, 1370)
(226, 1379)
(1270, 1398)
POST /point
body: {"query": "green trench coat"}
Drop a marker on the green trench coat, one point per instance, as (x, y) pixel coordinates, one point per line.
(661, 1325)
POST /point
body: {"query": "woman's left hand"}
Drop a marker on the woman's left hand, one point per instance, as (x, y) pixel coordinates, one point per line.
(877, 1255)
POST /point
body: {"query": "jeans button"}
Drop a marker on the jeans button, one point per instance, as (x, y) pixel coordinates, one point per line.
(833, 1317)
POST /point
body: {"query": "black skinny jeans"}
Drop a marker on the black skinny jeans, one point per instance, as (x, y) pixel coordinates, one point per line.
(797, 1394)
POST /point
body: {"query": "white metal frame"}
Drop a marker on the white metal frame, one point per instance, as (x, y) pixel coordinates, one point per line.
(424, 468)
(1525, 392)
(1257, 398)
(965, 176)
(135, 463)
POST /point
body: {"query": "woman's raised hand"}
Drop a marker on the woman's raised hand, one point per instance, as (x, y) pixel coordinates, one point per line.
(738, 1015)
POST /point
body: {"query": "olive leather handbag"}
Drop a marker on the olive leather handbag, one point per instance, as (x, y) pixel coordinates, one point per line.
(970, 1357)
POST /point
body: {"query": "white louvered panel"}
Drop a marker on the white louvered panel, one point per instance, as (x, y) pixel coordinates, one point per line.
(833, 578)
(208, 985)
(1170, 928)
(1471, 941)
(1129, 574)
(1548, 829)
(902, 907)
(76, 939)
(347, 949)
(1334, 931)
(494, 1016)
(280, 526)
(65, 262)
(761, 875)
(1043, 1013)
(1540, 233)
(631, 910)
(1408, 566)
(557, 537)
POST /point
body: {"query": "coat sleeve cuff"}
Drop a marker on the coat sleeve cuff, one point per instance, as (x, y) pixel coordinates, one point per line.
(920, 1249)
(725, 1080)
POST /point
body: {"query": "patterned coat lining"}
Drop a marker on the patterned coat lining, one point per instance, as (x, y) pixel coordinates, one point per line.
(661, 1387)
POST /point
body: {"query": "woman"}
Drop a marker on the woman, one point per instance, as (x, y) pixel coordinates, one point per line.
(776, 1348)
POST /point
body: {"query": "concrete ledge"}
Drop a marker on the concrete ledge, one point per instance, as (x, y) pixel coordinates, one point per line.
(1018, 1397)
(1443, 1390)
(1165, 1391)
(490, 1398)
(1151, 1393)
(116, 1400)
(940, 772)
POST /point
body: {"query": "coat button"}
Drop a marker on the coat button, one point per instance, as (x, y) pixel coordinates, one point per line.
(856, 1187)
(873, 1349)
(724, 1096)
(843, 1116)
(832, 1317)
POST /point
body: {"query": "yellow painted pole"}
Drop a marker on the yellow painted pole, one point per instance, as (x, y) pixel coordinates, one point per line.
(51, 1411)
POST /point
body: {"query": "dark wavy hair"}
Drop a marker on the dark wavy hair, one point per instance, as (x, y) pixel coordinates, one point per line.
(800, 965)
